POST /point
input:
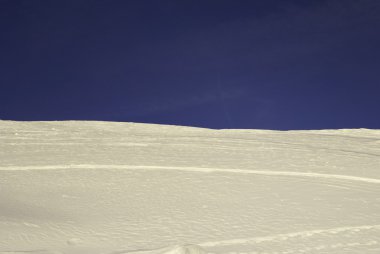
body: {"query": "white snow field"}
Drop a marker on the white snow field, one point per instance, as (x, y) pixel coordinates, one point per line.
(113, 188)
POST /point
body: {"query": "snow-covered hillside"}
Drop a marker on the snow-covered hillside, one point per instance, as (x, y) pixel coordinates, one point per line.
(113, 188)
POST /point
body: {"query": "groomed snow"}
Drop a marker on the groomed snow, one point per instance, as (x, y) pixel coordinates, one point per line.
(113, 188)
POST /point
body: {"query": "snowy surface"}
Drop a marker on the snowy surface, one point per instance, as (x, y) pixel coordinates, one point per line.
(114, 188)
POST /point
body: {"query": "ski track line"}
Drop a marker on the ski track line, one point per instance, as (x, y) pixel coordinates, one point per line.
(197, 169)
(287, 236)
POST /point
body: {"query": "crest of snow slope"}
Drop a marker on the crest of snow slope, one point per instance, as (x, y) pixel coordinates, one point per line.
(101, 187)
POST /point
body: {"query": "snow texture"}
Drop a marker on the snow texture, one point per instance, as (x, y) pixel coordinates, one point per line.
(114, 188)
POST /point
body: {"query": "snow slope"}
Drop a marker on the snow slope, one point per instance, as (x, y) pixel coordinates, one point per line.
(113, 188)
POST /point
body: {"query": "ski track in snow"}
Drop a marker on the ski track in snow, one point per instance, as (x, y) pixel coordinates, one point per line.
(245, 241)
(287, 236)
(198, 169)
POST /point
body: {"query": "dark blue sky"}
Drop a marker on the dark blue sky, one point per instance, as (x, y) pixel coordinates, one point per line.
(273, 64)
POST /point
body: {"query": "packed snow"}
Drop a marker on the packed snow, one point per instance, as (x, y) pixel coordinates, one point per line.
(113, 188)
